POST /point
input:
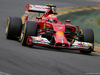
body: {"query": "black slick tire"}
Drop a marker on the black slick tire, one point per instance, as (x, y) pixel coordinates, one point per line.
(87, 36)
(13, 27)
(29, 29)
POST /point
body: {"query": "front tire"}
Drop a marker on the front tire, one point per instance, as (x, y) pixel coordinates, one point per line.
(29, 29)
(87, 36)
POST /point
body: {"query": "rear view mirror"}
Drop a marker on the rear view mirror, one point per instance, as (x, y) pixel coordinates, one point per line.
(68, 21)
(38, 17)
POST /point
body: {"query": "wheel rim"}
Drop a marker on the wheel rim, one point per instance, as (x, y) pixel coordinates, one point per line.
(7, 27)
(81, 32)
(23, 34)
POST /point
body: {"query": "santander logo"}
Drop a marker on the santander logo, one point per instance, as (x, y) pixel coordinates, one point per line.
(37, 7)
(30, 6)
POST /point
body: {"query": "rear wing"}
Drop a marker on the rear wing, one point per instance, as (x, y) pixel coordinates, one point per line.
(37, 8)
(40, 8)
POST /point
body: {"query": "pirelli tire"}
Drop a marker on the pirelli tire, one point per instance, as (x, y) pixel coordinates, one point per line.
(87, 36)
(29, 29)
(13, 27)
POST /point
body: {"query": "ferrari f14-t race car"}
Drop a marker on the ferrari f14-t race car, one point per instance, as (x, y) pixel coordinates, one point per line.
(46, 30)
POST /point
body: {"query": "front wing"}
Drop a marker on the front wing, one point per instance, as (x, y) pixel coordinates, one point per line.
(45, 42)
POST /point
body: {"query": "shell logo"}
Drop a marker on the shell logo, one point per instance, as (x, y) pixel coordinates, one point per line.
(35, 38)
(60, 33)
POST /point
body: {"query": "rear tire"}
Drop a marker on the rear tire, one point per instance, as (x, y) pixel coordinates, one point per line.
(29, 29)
(13, 28)
(87, 36)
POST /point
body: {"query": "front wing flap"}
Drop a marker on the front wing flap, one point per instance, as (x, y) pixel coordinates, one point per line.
(44, 41)
(82, 45)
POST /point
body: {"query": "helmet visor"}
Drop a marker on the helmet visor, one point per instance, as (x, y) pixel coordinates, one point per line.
(51, 20)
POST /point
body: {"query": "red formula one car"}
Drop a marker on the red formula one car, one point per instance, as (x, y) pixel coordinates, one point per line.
(47, 30)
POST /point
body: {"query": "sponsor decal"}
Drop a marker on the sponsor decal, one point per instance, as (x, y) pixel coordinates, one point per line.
(60, 33)
(84, 45)
(59, 27)
(48, 25)
(61, 37)
(88, 44)
(38, 7)
(61, 41)
(30, 6)
(40, 40)
(81, 44)
(44, 25)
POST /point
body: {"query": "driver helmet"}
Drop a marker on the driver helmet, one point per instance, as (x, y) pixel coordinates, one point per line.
(52, 18)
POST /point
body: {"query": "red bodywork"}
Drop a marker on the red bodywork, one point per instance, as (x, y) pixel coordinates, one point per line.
(45, 26)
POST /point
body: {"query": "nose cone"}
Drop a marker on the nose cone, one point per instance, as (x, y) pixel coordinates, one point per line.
(59, 27)
(60, 39)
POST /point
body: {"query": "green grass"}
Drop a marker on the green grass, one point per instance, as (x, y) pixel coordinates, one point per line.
(98, 21)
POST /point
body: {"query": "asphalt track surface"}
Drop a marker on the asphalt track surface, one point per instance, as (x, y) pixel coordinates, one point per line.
(16, 59)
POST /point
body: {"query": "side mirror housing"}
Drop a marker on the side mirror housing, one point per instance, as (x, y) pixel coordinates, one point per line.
(68, 21)
(38, 17)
